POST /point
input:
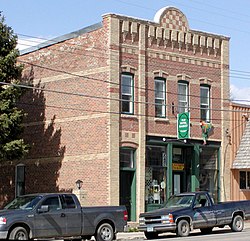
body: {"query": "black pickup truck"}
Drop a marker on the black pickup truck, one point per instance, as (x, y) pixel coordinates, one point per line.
(196, 210)
(59, 215)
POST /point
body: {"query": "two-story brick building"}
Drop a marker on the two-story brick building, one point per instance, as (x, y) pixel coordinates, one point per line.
(105, 109)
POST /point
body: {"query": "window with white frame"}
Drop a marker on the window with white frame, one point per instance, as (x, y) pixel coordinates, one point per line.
(183, 97)
(127, 93)
(205, 103)
(160, 97)
(244, 179)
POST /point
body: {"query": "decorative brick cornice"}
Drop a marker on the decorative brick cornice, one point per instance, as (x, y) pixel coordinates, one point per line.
(183, 77)
(160, 73)
(128, 69)
(205, 80)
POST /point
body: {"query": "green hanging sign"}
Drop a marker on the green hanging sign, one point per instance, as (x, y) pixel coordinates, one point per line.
(183, 125)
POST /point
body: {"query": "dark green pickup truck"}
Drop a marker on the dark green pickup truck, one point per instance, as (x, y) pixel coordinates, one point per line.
(59, 215)
(195, 210)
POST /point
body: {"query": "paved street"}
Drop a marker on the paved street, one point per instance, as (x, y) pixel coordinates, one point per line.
(221, 234)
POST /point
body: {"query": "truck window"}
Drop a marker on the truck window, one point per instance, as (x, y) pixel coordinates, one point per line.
(68, 201)
(202, 200)
(53, 203)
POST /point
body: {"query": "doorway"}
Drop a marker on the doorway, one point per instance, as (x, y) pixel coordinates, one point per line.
(127, 192)
(181, 169)
(177, 182)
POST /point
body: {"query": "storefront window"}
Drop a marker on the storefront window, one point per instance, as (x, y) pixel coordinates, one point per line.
(209, 171)
(156, 166)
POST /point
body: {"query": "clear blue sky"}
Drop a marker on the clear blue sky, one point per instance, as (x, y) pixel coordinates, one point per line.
(47, 19)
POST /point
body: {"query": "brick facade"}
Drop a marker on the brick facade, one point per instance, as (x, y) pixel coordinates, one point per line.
(74, 124)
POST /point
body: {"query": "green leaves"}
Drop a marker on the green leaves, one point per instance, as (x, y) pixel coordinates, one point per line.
(12, 146)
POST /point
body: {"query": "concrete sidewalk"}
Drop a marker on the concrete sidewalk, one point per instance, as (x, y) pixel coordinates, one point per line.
(140, 235)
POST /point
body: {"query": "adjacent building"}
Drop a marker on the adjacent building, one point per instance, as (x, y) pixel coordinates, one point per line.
(126, 105)
(240, 146)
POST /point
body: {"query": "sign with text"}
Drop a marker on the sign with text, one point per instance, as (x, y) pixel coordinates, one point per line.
(183, 125)
(178, 166)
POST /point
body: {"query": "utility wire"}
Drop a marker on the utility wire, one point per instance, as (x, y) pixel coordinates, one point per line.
(135, 115)
(110, 82)
(234, 72)
(107, 98)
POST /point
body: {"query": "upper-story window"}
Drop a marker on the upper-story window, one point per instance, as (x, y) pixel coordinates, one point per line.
(160, 97)
(127, 93)
(183, 97)
(205, 103)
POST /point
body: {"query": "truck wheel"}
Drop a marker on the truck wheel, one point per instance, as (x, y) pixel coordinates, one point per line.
(104, 232)
(206, 230)
(183, 228)
(151, 235)
(237, 224)
(19, 233)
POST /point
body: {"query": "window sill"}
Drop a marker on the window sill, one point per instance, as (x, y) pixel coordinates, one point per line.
(166, 120)
(245, 190)
(127, 116)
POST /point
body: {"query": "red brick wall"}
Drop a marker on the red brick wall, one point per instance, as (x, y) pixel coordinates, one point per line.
(173, 68)
(66, 123)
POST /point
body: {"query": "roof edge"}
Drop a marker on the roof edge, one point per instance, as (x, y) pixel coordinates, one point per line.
(61, 38)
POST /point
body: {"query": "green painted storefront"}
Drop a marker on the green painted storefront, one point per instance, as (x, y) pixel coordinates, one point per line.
(174, 166)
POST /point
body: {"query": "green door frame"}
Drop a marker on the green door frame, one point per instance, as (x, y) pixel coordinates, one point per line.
(169, 169)
(133, 185)
(133, 192)
(195, 169)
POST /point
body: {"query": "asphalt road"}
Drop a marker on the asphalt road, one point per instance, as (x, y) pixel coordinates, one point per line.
(218, 234)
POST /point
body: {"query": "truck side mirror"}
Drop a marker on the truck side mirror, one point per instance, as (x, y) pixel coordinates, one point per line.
(198, 205)
(43, 209)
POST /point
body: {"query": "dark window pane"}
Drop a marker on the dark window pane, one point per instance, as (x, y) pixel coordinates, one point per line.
(127, 158)
(248, 180)
(242, 180)
(53, 203)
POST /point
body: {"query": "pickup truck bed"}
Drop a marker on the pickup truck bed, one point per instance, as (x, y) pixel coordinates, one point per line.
(188, 211)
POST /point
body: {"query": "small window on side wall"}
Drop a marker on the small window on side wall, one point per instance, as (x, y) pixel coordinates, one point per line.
(244, 180)
(127, 93)
(160, 97)
(20, 180)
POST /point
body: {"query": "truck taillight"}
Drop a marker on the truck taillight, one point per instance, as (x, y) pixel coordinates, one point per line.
(125, 215)
(171, 219)
(3, 220)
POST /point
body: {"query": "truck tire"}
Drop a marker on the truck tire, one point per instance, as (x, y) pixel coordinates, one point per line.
(183, 228)
(151, 235)
(19, 233)
(237, 224)
(104, 232)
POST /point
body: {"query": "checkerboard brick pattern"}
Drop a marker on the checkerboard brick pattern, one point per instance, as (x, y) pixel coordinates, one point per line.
(174, 19)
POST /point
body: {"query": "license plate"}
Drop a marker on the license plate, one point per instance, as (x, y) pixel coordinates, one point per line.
(150, 229)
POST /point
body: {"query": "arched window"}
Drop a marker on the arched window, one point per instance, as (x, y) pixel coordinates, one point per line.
(127, 158)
